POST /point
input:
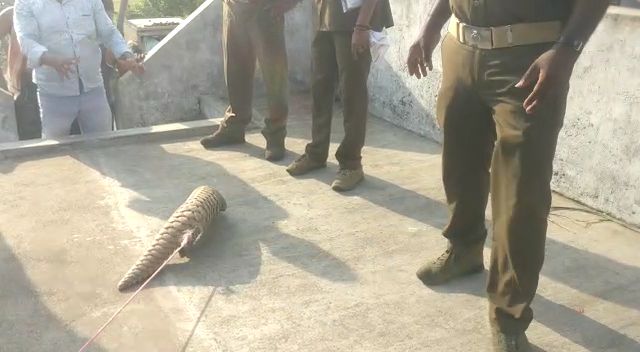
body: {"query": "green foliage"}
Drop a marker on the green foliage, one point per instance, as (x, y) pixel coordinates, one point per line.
(161, 8)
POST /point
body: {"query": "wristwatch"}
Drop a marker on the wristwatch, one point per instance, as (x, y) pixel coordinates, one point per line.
(576, 45)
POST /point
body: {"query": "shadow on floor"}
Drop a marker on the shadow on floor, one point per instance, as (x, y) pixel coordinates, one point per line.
(387, 195)
(381, 134)
(231, 254)
(7, 166)
(612, 281)
(593, 274)
(26, 324)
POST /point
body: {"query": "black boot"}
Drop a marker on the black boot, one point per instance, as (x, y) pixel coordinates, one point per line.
(275, 149)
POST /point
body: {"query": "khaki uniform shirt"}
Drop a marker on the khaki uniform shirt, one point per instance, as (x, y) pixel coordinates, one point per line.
(331, 17)
(488, 13)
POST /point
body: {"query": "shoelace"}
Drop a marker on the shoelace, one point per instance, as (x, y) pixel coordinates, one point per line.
(443, 257)
(512, 343)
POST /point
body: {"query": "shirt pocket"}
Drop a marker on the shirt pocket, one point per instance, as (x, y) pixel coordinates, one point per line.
(83, 25)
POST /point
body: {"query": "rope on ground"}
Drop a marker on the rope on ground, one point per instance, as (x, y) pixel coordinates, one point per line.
(605, 217)
(186, 239)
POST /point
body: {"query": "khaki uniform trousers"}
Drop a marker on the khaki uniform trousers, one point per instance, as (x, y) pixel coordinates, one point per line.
(333, 63)
(492, 145)
(250, 33)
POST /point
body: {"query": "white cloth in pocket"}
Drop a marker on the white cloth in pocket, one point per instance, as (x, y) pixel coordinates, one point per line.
(348, 5)
(379, 43)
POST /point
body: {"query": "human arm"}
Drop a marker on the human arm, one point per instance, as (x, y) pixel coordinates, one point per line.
(421, 51)
(111, 38)
(108, 34)
(28, 34)
(553, 69)
(360, 39)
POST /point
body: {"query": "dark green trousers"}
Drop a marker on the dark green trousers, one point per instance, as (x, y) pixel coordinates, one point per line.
(249, 35)
(333, 64)
(492, 145)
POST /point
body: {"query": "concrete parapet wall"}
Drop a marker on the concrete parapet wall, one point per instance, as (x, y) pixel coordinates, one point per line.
(8, 125)
(188, 63)
(396, 97)
(598, 158)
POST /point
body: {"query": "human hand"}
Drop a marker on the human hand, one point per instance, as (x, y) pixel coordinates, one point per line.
(62, 65)
(133, 64)
(360, 42)
(550, 73)
(421, 53)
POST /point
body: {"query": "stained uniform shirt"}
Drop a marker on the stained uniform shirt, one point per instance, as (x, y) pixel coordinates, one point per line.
(487, 13)
(331, 17)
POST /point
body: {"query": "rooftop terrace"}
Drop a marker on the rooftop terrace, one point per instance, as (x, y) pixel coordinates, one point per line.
(291, 265)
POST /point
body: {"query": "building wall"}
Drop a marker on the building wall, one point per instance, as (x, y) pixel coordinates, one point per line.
(598, 158)
(188, 63)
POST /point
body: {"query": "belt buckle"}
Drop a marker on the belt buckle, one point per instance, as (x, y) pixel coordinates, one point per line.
(477, 37)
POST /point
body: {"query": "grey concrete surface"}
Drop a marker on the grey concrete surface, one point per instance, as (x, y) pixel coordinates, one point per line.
(598, 159)
(291, 266)
(30, 148)
(630, 3)
(8, 124)
(188, 63)
(396, 97)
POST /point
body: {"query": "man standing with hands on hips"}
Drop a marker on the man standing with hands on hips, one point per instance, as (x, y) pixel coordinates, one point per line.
(341, 54)
(506, 70)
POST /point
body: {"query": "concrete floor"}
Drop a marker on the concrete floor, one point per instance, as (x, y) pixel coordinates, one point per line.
(291, 266)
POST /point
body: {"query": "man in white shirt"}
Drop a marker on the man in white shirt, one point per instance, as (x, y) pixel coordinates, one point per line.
(61, 40)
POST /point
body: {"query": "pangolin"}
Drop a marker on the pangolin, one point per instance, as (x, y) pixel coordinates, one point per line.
(190, 219)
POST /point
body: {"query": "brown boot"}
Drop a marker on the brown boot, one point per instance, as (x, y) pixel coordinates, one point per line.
(223, 136)
(303, 165)
(455, 262)
(347, 180)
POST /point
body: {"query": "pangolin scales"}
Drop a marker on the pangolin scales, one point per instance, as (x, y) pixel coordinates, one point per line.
(192, 217)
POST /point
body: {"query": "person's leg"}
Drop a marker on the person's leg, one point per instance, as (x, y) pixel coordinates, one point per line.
(57, 114)
(468, 141)
(272, 55)
(94, 115)
(239, 69)
(28, 111)
(522, 168)
(323, 87)
(354, 73)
